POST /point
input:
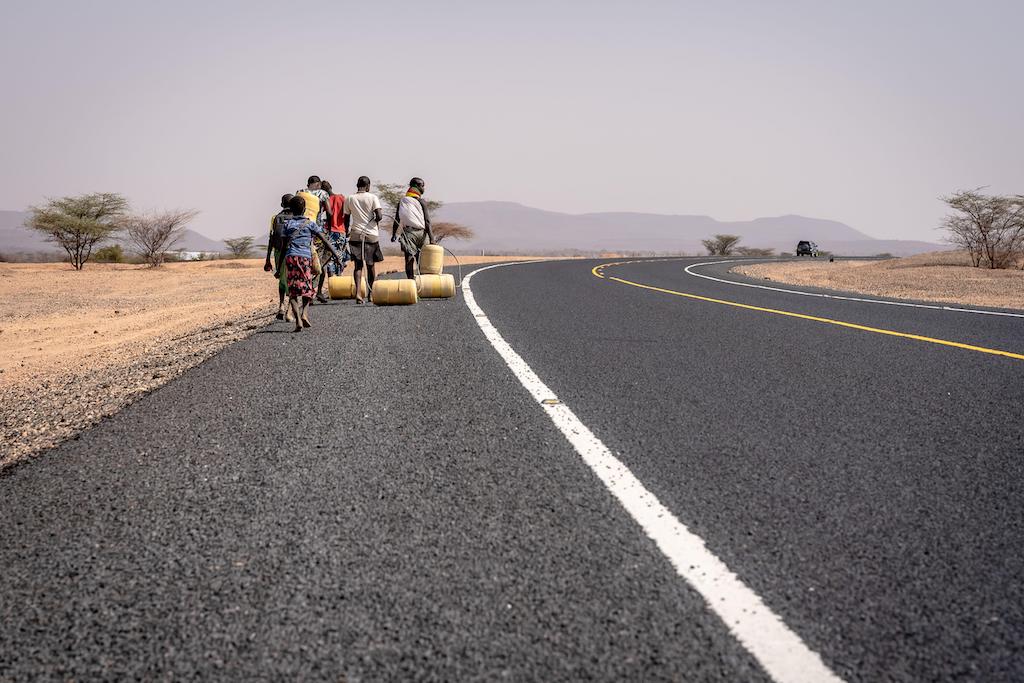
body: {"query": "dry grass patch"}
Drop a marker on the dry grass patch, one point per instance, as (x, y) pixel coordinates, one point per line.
(944, 277)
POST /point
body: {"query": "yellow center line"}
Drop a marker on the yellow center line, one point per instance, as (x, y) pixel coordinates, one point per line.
(598, 271)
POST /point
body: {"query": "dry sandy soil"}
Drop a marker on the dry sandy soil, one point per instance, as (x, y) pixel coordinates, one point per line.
(78, 346)
(943, 276)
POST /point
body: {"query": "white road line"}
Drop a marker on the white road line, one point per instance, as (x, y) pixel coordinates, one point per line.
(936, 307)
(782, 653)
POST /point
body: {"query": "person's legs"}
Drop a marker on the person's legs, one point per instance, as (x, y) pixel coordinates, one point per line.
(300, 286)
(374, 256)
(320, 287)
(338, 242)
(358, 275)
(410, 266)
(407, 240)
(371, 275)
(293, 304)
(283, 313)
(343, 250)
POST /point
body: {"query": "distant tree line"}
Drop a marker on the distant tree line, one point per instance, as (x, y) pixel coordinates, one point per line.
(990, 228)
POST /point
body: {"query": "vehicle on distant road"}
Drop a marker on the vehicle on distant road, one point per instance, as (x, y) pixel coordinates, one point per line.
(805, 248)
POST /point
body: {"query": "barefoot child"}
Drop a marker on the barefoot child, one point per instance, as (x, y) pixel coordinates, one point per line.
(298, 260)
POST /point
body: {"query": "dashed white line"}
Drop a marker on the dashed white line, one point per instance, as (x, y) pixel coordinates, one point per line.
(781, 652)
(935, 307)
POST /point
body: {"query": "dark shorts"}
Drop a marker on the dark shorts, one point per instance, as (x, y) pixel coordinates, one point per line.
(371, 250)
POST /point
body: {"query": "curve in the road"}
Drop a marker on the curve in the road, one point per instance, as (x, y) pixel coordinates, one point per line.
(785, 657)
(866, 487)
(935, 307)
(598, 271)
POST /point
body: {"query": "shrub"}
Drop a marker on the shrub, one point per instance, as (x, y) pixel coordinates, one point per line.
(112, 254)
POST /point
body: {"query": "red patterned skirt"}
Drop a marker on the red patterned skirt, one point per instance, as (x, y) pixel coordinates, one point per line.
(300, 276)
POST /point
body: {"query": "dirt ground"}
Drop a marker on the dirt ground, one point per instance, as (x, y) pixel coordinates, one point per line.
(944, 276)
(78, 346)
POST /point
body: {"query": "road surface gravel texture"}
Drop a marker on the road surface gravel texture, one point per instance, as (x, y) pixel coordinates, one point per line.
(378, 498)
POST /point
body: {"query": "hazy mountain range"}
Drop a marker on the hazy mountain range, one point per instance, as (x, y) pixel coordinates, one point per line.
(513, 228)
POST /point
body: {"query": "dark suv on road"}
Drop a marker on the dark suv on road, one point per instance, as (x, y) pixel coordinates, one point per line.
(805, 248)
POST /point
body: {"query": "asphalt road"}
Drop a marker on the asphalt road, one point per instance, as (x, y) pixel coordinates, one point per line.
(379, 498)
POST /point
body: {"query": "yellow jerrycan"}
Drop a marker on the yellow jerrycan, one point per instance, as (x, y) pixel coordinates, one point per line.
(437, 286)
(432, 259)
(343, 286)
(400, 292)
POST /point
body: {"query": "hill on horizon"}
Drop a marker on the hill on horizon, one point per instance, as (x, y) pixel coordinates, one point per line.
(512, 227)
(17, 239)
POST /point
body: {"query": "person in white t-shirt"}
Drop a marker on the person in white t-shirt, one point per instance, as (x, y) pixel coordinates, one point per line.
(362, 218)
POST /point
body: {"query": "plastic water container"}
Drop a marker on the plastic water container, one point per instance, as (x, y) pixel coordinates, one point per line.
(432, 259)
(437, 286)
(343, 286)
(394, 292)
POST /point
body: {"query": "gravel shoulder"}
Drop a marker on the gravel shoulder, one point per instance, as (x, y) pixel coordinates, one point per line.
(941, 277)
(79, 346)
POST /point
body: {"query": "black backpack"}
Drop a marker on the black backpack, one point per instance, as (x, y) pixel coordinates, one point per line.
(277, 238)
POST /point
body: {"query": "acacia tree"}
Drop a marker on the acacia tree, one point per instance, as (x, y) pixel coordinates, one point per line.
(78, 224)
(456, 231)
(721, 245)
(152, 236)
(989, 227)
(240, 247)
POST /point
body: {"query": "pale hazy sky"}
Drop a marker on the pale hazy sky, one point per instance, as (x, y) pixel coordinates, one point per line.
(863, 112)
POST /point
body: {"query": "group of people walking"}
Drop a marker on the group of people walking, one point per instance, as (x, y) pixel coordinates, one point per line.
(348, 228)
